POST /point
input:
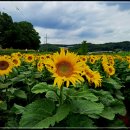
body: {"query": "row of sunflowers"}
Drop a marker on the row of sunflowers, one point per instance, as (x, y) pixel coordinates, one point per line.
(64, 89)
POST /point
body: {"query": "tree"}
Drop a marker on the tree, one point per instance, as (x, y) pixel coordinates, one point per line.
(18, 35)
(25, 36)
(6, 23)
(83, 48)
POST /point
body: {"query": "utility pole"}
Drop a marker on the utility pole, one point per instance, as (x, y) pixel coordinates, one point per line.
(46, 38)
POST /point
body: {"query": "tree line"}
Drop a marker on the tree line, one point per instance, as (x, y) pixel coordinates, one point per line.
(84, 47)
(17, 35)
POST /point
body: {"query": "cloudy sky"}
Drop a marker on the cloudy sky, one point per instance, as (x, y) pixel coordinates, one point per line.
(71, 22)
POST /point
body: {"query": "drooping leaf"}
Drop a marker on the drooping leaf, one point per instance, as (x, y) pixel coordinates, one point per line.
(3, 105)
(87, 107)
(20, 93)
(19, 78)
(12, 122)
(117, 124)
(37, 75)
(5, 85)
(128, 79)
(108, 113)
(104, 96)
(40, 88)
(52, 95)
(17, 109)
(85, 95)
(118, 107)
(119, 95)
(61, 113)
(78, 120)
(36, 112)
(109, 82)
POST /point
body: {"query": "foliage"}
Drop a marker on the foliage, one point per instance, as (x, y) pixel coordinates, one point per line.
(25, 35)
(84, 48)
(29, 99)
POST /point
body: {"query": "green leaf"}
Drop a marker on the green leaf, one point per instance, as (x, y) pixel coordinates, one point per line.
(105, 97)
(94, 116)
(128, 79)
(108, 113)
(15, 71)
(2, 78)
(36, 112)
(118, 107)
(12, 122)
(37, 75)
(20, 94)
(87, 107)
(27, 73)
(19, 78)
(17, 109)
(52, 95)
(40, 88)
(78, 120)
(5, 85)
(109, 82)
(85, 95)
(61, 113)
(3, 105)
(117, 124)
(119, 95)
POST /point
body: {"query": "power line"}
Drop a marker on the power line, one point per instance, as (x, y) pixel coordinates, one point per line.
(19, 10)
(46, 39)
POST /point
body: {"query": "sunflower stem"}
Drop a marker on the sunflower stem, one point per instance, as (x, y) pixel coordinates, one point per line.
(61, 96)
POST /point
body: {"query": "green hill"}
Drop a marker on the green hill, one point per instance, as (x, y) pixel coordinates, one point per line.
(112, 46)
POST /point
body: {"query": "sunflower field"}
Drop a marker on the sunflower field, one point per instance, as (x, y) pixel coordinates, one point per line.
(64, 90)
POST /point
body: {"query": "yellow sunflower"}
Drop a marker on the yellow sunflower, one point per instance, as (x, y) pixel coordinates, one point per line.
(65, 68)
(5, 65)
(16, 61)
(18, 54)
(40, 65)
(93, 77)
(29, 58)
(110, 70)
(92, 59)
(129, 66)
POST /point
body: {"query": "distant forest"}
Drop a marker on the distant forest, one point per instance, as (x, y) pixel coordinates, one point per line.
(111, 46)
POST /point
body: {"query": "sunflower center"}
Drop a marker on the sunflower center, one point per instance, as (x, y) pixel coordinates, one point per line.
(4, 65)
(84, 59)
(15, 61)
(64, 69)
(29, 58)
(110, 70)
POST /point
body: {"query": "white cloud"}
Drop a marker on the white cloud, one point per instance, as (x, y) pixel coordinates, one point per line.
(72, 22)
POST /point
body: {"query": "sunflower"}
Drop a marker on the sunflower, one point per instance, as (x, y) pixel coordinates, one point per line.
(5, 65)
(83, 58)
(110, 70)
(16, 61)
(128, 59)
(65, 68)
(40, 65)
(93, 77)
(18, 54)
(129, 66)
(41, 57)
(92, 59)
(29, 58)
